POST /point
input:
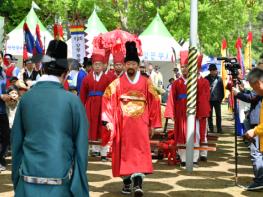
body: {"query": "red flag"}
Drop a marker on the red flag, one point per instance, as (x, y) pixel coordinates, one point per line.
(262, 38)
(249, 37)
(238, 43)
(240, 55)
(25, 55)
(38, 43)
(224, 44)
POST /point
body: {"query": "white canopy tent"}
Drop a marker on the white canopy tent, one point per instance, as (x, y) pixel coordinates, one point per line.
(158, 43)
(15, 42)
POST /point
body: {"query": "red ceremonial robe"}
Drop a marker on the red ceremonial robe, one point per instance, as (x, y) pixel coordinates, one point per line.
(176, 109)
(203, 105)
(110, 75)
(91, 92)
(132, 109)
(9, 74)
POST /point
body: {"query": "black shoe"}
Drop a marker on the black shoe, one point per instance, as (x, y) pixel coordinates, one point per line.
(104, 159)
(138, 192)
(137, 186)
(254, 186)
(95, 154)
(2, 168)
(183, 164)
(126, 189)
(219, 131)
(195, 165)
(203, 158)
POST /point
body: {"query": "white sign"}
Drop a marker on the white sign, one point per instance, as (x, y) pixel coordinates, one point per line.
(78, 46)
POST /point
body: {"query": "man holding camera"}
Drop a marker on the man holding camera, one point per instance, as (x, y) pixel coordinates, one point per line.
(255, 135)
(217, 95)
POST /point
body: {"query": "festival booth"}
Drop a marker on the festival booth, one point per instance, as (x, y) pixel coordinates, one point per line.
(159, 47)
(94, 28)
(15, 41)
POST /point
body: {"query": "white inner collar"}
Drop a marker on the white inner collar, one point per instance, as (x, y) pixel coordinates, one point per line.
(136, 78)
(97, 77)
(49, 78)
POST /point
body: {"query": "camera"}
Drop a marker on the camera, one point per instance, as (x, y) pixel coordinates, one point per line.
(231, 65)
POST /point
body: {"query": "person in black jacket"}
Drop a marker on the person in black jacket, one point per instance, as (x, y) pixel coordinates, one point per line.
(217, 96)
(28, 74)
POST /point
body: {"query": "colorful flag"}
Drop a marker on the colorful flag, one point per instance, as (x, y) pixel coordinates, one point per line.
(78, 42)
(240, 55)
(29, 39)
(223, 69)
(38, 42)
(248, 54)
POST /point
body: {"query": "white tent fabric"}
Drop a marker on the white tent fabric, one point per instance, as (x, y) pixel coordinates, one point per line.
(158, 48)
(94, 28)
(158, 43)
(15, 42)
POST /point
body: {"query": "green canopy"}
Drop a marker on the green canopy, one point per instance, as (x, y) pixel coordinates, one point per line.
(156, 27)
(94, 24)
(32, 20)
(15, 42)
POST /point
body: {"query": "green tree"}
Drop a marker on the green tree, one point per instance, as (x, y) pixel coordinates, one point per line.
(218, 19)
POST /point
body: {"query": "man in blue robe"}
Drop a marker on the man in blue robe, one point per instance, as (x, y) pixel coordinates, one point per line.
(49, 136)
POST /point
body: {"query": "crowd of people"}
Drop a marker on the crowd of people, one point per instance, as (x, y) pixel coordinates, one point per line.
(116, 107)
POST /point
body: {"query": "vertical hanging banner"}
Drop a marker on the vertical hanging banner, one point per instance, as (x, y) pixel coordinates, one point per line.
(2, 22)
(78, 42)
(248, 51)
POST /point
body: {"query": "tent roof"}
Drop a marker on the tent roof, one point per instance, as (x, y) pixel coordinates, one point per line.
(94, 24)
(32, 20)
(156, 27)
(15, 42)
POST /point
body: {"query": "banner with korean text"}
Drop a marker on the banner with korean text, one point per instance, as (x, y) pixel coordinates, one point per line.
(78, 42)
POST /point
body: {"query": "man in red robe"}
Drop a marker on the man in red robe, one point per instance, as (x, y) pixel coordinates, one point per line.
(176, 109)
(118, 60)
(10, 68)
(91, 92)
(131, 108)
(202, 108)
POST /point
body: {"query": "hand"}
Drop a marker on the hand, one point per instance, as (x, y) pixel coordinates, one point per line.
(235, 91)
(241, 87)
(250, 134)
(109, 126)
(151, 132)
(29, 83)
(5, 97)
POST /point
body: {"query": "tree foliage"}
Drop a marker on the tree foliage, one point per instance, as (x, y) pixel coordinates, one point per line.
(218, 19)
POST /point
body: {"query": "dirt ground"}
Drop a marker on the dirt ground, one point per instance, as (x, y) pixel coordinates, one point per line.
(211, 179)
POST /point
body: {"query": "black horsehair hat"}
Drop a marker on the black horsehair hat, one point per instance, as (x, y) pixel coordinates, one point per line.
(87, 61)
(131, 52)
(212, 67)
(56, 55)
